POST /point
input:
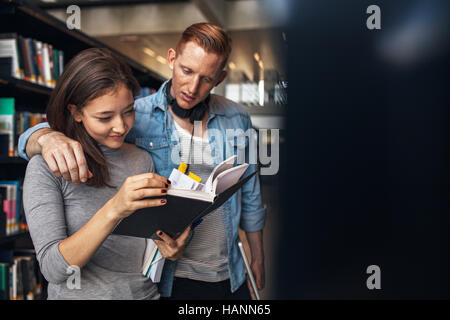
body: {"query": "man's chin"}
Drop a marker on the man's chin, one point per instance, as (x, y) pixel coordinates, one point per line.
(186, 105)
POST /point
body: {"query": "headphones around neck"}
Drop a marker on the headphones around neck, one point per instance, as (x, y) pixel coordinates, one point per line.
(194, 114)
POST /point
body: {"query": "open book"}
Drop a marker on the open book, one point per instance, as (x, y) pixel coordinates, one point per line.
(185, 207)
(221, 178)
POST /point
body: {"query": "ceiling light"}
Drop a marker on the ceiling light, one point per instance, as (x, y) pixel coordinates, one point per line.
(231, 65)
(256, 56)
(161, 59)
(261, 65)
(129, 38)
(149, 51)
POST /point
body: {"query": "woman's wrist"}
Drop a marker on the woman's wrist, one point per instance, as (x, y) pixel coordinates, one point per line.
(110, 212)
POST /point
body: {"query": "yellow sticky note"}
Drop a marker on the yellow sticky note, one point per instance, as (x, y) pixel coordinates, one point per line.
(182, 167)
(195, 177)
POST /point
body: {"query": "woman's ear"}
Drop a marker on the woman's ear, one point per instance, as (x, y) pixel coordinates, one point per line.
(76, 115)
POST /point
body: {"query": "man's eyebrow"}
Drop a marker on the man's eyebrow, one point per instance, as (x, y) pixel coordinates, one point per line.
(108, 112)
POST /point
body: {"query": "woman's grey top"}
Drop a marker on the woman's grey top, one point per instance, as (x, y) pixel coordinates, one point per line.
(55, 209)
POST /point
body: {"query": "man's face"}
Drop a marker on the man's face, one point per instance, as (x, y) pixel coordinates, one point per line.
(194, 73)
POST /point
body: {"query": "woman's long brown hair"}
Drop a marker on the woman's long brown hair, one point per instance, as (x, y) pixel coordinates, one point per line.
(90, 74)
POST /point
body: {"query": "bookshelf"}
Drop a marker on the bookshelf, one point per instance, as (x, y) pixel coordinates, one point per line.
(17, 16)
(5, 240)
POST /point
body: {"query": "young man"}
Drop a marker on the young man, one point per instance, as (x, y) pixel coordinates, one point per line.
(210, 265)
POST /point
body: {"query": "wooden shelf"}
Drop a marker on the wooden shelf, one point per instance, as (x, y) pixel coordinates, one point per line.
(13, 237)
(12, 160)
(25, 85)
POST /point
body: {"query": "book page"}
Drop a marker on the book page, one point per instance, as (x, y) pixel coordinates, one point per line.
(221, 167)
(181, 181)
(149, 254)
(228, 178)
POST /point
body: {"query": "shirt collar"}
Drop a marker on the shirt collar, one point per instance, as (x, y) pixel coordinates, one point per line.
(213, 107)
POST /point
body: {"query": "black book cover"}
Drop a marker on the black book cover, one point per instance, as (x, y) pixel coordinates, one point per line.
(174, 217)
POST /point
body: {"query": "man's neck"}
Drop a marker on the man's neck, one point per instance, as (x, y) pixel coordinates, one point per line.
(186, 124)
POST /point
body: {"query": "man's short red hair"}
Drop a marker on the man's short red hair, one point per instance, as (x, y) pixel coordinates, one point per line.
(210, 37)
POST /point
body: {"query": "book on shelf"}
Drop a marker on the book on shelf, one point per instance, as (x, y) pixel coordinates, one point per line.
(7, 114)
(3, 214)
(14, 123)
(20, 278)
(11, 194)
(30, 59)
(184, 207)
(9, 49)
(4, 281)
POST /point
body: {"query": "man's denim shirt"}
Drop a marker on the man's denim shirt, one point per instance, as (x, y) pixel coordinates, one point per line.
(154, 131)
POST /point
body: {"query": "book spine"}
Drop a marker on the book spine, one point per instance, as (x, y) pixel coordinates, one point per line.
(46, 65)
(31, 60)
(23, 57)
(14, 227)
(4, 281)
(29, 71)
(8, 48)
(9, 205)
(51, 65)
(61, 62)
(56, 63)
(39, 62)
(6, 207)
(4, 211)
(14, 281)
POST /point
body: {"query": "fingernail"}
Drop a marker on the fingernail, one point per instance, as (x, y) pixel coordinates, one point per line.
(159, 233)
(169, 181)
(164, 190)
(163, 201)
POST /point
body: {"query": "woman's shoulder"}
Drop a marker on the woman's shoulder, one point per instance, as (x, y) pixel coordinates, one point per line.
(37, 162)
(38, 169)
(138, 156)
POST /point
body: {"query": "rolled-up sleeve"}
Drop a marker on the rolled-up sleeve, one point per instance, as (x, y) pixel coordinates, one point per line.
(44, 210)
(23, 139)
(253, 212)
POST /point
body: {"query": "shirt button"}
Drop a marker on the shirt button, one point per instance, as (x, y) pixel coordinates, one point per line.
(151, 144)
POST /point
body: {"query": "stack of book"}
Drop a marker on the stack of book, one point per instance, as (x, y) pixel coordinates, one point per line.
(30, 59)
(153, 262)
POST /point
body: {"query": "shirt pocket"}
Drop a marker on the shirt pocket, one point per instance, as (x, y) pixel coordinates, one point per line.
(159, 149)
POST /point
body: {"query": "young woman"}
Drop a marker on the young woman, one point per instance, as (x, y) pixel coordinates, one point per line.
(70, 225)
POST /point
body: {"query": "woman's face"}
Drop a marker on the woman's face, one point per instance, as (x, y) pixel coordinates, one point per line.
(108, 118)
